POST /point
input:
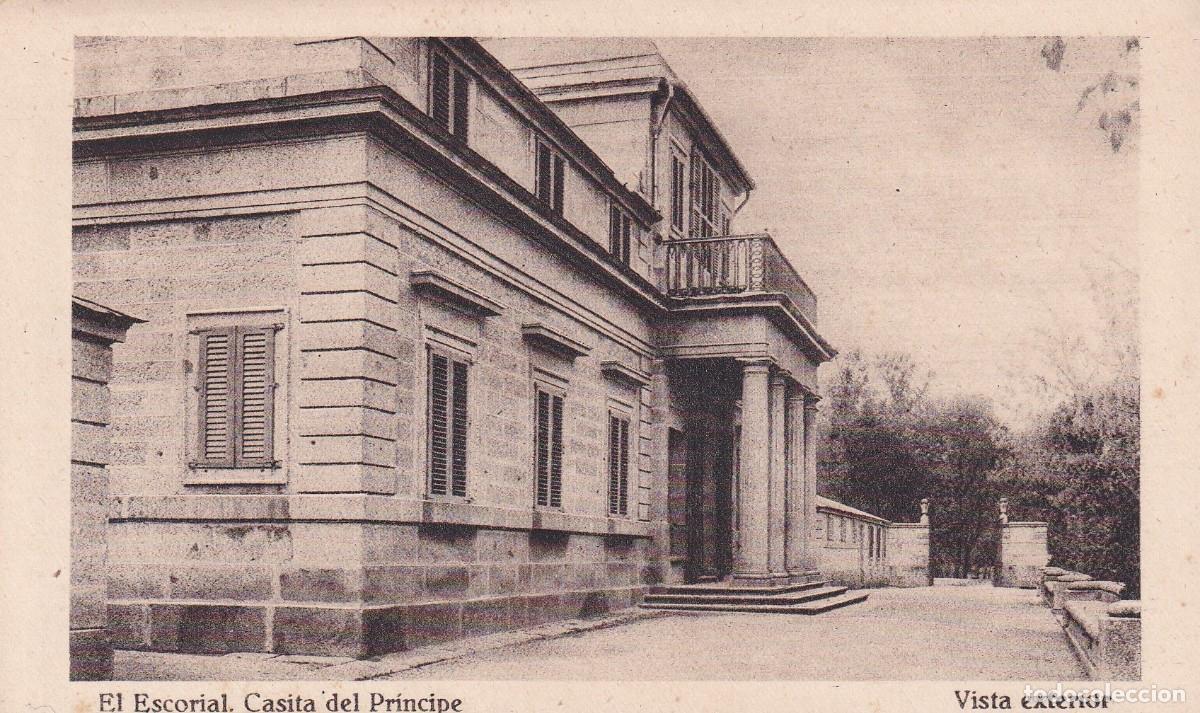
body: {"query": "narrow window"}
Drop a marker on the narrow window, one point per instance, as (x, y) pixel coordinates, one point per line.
(448, 92)
(828, 527)
(548, 447)
(842, 529)
(447, 425)
(678, 181)
(237, 397)
(620, 234)
(618, 464)
(548, 177)
(706, 197)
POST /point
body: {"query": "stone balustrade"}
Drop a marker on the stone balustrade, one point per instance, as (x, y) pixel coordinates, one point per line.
(1103, 630)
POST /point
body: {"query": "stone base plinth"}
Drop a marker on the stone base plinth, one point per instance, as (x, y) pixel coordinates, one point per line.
(355, 588)
(347, 630)
(91, 655)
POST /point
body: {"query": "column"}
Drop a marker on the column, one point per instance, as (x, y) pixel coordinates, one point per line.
(810, 472)
(750, 560)
(798, 525)
(777, 508)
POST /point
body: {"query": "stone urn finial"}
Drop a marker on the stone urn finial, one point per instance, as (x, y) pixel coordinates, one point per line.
(924, 511)
(1003, 511)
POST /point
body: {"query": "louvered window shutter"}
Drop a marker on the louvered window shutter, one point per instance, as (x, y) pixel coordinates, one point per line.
(458, 431)
(542, 448)
(678, 173)
(614, 230)
(439, 89)
(237, 397)
(559, 168)
(256, 395)
(217, 410)
(623, 486)
(460, 105)
(556, 451)
(626, 239)
(618, 465)
(548, 448)
(439, 423)
(544, 182)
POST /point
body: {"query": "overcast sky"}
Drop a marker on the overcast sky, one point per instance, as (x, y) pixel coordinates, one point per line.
(946, 198)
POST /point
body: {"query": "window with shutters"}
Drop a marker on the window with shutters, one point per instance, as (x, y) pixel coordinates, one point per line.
(548, 176)
(448, 422)
(548, 445)
(706, 198)
(618, 464)
(678, 190)
(449, 91)
(620, 234)
(235, 417)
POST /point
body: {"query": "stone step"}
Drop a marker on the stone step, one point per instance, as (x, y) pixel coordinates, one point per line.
(819, 606)
(728, 589)
(796, 597)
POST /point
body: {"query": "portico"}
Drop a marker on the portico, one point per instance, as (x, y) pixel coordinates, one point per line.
(742, 486)
(774, 511)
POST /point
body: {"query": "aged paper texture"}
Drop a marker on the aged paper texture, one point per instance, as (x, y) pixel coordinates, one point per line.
(527, 356)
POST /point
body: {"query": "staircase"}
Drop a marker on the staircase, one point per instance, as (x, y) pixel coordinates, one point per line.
(812, 597)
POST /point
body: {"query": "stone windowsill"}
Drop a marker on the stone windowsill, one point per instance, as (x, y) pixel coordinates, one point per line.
(363, 508)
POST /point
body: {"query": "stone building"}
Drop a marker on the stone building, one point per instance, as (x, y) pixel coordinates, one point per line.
(94, 329)
(432, 348)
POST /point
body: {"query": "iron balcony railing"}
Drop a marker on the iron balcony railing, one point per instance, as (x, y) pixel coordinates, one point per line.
(734, 264)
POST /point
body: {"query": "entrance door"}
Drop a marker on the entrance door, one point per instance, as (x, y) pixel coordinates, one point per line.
(677, 500)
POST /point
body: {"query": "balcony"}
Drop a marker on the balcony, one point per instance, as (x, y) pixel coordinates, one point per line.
(735, 265)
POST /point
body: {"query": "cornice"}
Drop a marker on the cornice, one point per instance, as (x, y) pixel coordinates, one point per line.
(776, 305)
(377, 111)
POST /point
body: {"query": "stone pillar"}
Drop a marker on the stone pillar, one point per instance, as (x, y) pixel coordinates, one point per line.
(751, 560)
(798, 522)
(94, 329)
(777, 510)
(1023, 554)
(810, 470)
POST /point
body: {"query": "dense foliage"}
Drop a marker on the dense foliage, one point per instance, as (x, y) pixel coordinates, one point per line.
(888, 444)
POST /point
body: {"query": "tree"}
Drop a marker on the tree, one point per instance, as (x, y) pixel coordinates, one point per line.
(962, 444)
(1093, 443)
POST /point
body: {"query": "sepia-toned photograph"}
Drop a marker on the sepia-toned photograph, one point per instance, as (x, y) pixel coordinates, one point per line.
(605, 358)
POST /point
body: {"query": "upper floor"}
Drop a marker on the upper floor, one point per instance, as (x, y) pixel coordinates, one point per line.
(612, 158)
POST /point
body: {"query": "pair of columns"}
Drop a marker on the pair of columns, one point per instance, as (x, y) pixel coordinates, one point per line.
(777, 478)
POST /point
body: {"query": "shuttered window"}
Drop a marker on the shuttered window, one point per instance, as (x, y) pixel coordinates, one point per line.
(678, 191)
(548, 448)
(620, 234)
(618, 464)
(236, 385)
(447, 425)
(448, 92)
(548, 176)
(706, 198)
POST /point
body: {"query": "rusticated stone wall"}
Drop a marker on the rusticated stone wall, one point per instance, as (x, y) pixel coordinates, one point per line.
(355, 589)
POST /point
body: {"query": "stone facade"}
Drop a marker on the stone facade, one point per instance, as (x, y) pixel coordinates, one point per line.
(1023, 554)
(281, 494)
(94, 329)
